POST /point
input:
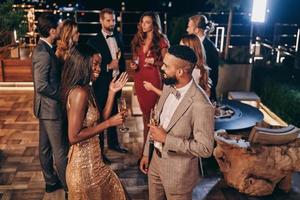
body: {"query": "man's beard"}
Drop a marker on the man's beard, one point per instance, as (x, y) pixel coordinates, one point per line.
(170, 80)
(110, 28)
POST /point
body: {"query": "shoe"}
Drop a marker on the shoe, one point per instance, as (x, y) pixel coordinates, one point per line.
(52, 188)
(66, 195)
(106, 160)
(119, 149)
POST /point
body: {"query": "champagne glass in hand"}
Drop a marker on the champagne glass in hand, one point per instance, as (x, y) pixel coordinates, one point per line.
(118, 54)
(148, 59)
(122, 107)
(134, 63)
(153, 121)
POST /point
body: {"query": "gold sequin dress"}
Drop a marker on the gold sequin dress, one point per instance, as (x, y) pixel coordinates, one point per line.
(87, 176)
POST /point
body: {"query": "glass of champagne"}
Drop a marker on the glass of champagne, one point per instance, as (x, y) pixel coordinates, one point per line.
(148, 56)
(153, 118)
(122, 107)
(118, 54)
(153, 121)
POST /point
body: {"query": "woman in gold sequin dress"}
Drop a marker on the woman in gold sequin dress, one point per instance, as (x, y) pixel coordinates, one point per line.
(87, 176)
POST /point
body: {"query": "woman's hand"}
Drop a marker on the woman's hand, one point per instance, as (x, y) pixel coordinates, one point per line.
(117, 85)
(117, 119)
(149, 61)
(148, 86)
(133, 65)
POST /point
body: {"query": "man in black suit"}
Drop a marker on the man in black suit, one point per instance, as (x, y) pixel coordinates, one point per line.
(108, 43)
(199, 25)
(47, 105)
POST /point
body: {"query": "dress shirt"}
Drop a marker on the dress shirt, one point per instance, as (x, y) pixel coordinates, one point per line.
(113, 48)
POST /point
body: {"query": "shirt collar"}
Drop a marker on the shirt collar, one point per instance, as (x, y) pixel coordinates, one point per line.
(105, 33)
(185, 88)
(201, 38)
(44, 39)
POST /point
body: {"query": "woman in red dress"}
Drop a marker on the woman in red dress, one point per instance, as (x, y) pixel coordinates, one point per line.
(149, 46)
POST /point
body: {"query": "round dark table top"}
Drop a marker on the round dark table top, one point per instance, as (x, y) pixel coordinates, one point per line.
(245, 116)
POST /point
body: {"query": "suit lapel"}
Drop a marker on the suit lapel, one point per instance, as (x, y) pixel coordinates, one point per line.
(50, 51)
(183, 106)
(105, 45)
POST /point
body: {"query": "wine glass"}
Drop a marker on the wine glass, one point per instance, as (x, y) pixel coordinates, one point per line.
(153, 118)
(148, 55)
(153, 121)
(136, 60)
(118, 54)
(122, 107)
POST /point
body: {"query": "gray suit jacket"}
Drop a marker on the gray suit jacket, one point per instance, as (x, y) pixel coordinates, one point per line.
(46, 76)
(189, 136)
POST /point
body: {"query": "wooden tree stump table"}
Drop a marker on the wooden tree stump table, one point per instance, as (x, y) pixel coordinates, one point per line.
(256, 169)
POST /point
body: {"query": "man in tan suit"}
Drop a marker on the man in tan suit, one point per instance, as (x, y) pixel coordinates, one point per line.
(185, 131)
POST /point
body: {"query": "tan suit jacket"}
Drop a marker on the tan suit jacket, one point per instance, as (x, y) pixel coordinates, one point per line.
(189, 136)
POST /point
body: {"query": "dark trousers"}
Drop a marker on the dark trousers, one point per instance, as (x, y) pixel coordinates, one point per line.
(53, 146)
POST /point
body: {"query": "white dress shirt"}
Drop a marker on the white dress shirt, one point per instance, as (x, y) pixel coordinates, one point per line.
(43, 39)
(113, 48)
(169, 108)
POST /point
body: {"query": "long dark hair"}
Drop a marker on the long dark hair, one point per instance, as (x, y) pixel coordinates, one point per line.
(139, 38)
(77, 69)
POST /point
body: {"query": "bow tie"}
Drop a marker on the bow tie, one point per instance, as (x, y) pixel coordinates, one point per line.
(176, 93)
(108, 36)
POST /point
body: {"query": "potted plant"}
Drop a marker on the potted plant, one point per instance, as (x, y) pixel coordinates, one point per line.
(10, 21)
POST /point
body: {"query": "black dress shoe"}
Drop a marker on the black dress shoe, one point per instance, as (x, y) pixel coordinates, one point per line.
(66, 195)
(106, 160)
(52, 188)
(119, 149)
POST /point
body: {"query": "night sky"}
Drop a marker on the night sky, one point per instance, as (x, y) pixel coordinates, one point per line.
(285, 11)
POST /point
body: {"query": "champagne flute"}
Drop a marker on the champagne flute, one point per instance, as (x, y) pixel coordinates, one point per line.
(118, 54)
(122, 107)
(153, 121)
(147, 56)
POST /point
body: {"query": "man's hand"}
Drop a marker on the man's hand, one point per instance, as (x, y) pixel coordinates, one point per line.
(157, 133)
(144, 164)
(114, 64)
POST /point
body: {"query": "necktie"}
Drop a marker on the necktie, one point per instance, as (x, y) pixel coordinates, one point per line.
(176, 93)
(108, 36)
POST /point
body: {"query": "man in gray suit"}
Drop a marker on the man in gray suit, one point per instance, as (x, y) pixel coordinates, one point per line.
(47, 105)
(185, 131)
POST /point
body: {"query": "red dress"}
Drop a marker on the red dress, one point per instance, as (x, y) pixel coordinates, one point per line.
(150, 73)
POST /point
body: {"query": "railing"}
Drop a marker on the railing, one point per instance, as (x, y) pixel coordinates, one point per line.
(127, 23)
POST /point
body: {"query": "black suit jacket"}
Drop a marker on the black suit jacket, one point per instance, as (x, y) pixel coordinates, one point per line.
(46, 77)
(212, 60)
(101, 85)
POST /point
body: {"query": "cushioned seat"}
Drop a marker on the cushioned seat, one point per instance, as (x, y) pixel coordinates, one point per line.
(273, 136)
